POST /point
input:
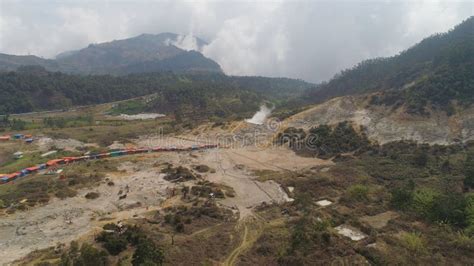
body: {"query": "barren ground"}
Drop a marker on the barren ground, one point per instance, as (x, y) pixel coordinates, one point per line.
(61, 221)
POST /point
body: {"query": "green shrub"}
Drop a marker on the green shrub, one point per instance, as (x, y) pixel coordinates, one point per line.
(308, 232)
(421, 158)
(469, 170)
(87, 255)
(463, 241)
(115, 245)
(449, 208)
(202, 168)
(469, 215)
(92, 195)
(65, 192)
(402, 197)
(358, 192)
(423, 201)
(413, 242)
(113, 242)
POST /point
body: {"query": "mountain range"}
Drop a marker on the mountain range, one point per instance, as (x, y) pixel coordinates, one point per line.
(143, 53)
(435, 74)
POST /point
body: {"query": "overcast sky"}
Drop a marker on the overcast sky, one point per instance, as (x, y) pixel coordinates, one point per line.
(311, 40)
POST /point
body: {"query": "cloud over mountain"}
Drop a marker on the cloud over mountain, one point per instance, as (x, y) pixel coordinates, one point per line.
(312, 40)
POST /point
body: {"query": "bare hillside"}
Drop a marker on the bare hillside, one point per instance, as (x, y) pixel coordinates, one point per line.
(385, 124)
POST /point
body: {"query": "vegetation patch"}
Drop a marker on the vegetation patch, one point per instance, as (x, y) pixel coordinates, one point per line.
(324, 141)
(38, 188)
(92, 195)
(178, 174)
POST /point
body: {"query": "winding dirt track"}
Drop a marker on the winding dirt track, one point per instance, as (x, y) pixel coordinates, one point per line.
(252, 228)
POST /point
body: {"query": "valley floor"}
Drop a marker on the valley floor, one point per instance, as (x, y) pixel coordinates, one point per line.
(251, 201)
(139, 177)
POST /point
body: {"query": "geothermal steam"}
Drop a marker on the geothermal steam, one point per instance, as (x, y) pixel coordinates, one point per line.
(259, 117)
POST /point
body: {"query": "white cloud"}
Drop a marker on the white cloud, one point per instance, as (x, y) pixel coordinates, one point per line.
(312, 40)
(185, 42)
(252, 43)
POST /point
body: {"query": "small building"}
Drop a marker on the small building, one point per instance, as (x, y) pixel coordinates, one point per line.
(18, 136)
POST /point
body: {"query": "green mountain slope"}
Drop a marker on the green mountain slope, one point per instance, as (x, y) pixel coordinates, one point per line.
(13, 62)
(434, 72)
(141, 54)
(33, 89)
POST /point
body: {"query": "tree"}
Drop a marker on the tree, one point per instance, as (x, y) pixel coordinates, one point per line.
(423, 202)
(469, 170)
(86, 255)
(401, 198)
(421, 158)
(450, 208)
(470, 214)
(5, 120)
(115, 244)
(358, 192)
(147, 253)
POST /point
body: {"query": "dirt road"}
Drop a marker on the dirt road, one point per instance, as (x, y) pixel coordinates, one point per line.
(251, 229)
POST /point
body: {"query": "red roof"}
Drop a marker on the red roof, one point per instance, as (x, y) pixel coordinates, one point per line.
(34, 168)
(53, 162)
(13, 175)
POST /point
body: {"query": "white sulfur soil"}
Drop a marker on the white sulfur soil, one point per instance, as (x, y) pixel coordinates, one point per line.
(350, 232)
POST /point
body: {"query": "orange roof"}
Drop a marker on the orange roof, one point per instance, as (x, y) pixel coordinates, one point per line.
(53, 162)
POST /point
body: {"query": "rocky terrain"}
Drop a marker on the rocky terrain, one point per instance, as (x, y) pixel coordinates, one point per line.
(383, 124)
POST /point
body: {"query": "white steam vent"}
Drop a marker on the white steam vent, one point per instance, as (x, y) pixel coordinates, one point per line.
(185, 42)
(259, 117)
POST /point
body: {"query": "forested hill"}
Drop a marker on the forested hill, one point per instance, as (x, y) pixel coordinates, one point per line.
(434, 72)
(145, 53)
(34, 88)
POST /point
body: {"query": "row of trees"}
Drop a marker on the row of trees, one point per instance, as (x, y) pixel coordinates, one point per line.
(13, 124)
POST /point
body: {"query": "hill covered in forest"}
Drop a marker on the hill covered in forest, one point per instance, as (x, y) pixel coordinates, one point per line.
(140, 54)
(34, 88)
(436, 72)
